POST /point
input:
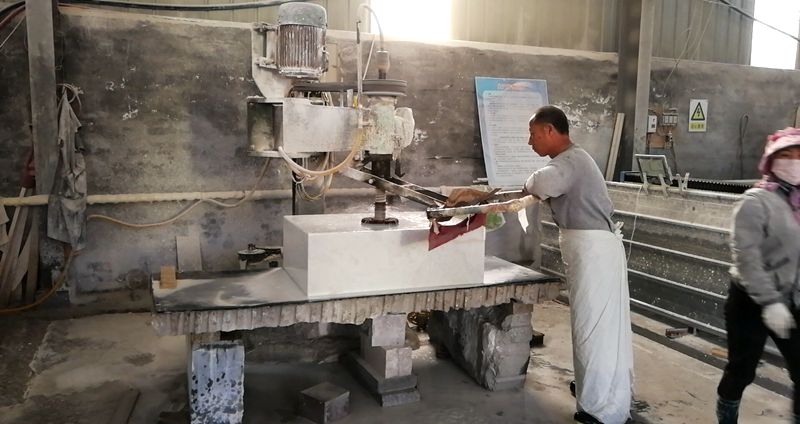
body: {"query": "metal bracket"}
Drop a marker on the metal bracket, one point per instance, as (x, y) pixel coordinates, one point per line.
(398, 187)
(683, 183)
(646, 184)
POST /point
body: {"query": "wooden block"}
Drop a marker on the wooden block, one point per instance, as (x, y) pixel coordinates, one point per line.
(408, 303)
(439, 302)
(460, 295)
(449, 300)
(316, 312)
(420, 300)
(168, 279)
(719, 353)
(327, 311)
(303, 313)
(349, 311)
(287, 315)
(376, 306)
(430, 302)
(362, 309)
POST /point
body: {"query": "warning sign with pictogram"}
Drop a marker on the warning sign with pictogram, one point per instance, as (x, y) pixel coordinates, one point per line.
(698, 115)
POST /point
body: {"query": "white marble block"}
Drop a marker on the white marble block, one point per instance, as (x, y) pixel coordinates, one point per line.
(334, 255)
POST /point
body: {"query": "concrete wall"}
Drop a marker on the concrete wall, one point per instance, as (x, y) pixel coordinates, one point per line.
(164, 111)
(768, 96)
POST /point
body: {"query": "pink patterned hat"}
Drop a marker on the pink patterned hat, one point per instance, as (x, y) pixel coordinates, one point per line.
(782, 139)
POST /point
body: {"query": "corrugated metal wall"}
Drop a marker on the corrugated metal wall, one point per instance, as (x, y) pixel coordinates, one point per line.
(690, 29)
(341, 13)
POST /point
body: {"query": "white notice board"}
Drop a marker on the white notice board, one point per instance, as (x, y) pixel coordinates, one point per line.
(504, 107)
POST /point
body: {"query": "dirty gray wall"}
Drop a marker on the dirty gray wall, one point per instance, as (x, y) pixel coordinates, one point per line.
(164, 111)
(767, 98)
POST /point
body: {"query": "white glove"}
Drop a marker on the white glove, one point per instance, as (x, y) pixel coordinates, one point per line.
(779, 319)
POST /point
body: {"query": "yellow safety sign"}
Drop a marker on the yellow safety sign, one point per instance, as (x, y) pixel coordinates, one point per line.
(698, 114)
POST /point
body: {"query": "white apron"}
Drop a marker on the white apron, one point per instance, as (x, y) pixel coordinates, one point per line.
(602, 348)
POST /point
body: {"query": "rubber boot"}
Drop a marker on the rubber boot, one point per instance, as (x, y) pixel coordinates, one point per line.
(728, 411)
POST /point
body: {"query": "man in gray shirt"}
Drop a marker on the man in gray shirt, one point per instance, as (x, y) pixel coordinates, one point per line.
(596, 269)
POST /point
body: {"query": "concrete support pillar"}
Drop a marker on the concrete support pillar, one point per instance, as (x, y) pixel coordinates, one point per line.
(42, 71)
(492, 344)
(216, 381)
(384, 363)
(636, 18)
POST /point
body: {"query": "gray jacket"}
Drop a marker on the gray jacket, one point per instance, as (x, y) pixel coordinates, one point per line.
(766, 248)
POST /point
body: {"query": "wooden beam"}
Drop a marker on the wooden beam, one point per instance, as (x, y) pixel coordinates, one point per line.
(613, 153)
(42, 71)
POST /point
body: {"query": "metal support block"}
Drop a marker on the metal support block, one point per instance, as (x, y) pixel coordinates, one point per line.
(324, 403)
(216, 382)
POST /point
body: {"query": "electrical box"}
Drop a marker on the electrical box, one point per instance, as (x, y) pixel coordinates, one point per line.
(652, 123)
(669, 118)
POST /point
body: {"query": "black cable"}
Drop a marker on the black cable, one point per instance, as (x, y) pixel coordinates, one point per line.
(744, 120)
(753, 18)
(183, 7)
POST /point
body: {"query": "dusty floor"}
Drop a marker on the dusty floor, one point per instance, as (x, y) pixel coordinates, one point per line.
(77, 370)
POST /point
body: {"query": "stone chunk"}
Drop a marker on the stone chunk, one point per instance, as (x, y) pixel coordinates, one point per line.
(324, 403)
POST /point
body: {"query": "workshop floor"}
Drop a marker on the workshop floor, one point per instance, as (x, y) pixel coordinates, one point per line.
(77, 371)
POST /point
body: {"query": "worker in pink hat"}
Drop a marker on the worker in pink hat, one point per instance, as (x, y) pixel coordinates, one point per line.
(764, 296)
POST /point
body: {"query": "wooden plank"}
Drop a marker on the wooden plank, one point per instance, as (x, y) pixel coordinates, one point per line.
(32, 281)
(420, 299)
(349, 311)
(244, 319)
(459, 303)
(287, 315)
(272, 316)
(338, 311)
(316, 312)
(200, 322)
(480, 297)
(613, 152)
(168, 279)
(449, 300)
(430, 301)
(408, 303)
(519, 292)
(327, 311)
(439, 302)
(491, 293)
(228, 321)
(214, 321)
(501, 295)
(376, 306)
(302, 313)
(11, 254)
(188, 251)
(42, 77)
(362, 309)
(21, 266)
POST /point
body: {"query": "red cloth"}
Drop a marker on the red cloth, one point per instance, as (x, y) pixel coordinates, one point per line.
(451, 232)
